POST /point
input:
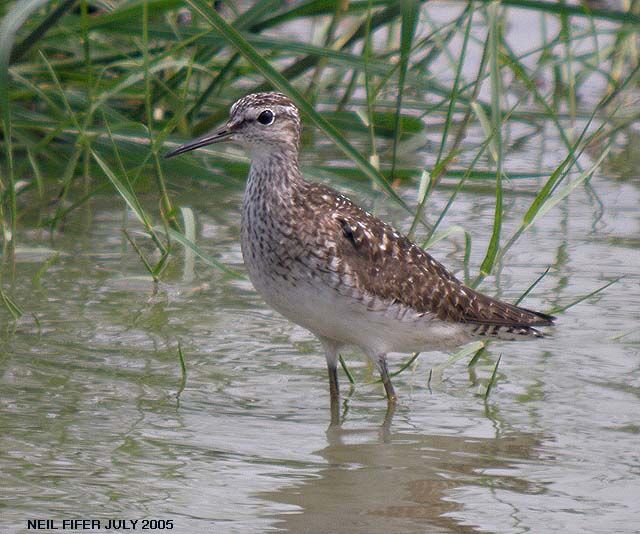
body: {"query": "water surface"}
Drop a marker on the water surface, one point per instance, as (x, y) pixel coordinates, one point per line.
(92, 427)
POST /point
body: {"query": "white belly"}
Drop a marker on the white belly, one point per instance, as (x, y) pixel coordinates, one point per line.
(374, 325)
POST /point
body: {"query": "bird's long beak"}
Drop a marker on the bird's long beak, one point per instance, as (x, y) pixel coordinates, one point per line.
(221, 134)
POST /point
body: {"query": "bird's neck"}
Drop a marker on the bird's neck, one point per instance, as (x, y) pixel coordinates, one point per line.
(273, 173)
(273, 189)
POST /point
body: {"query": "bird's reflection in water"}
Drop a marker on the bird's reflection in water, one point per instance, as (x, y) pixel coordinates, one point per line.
(381, 480)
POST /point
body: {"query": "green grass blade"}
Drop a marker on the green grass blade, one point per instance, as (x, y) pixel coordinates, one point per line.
(560, 309)
(444, 234)
(520, 72)
(184, 241)
(129, 11)
(410, 12)
(314, 8)
(563, 192)
(346, 370)
(14, 310)
(532, 286)
(183, 371)
(189, 222)
(492, 380)
(127, 195)
(140, 254)
(373, 157)
(496, 98)
(461, 353)
(562, 8)
(37, 33)
(405, 365)
(9, 27)
(456, 86)
(11, 23)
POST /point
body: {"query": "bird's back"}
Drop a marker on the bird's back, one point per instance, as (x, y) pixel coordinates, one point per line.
(374, 261)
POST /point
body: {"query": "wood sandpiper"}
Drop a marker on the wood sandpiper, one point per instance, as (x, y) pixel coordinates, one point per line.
(338, 271)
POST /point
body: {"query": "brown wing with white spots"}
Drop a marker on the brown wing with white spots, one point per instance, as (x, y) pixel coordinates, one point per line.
(380, 262)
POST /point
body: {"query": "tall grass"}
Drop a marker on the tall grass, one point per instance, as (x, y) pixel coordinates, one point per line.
(92, 93)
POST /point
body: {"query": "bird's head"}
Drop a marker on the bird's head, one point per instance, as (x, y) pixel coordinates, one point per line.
(260, 122)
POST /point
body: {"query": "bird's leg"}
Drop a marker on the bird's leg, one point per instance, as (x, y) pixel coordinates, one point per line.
(334, 397)
(386, 381)
(331, 353)
(334, 390)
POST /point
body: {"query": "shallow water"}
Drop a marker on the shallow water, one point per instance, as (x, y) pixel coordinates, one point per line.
(92, 428)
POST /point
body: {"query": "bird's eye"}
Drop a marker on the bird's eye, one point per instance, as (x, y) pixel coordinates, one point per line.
(266, 117)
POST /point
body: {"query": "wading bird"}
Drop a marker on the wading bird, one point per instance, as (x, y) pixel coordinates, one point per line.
(338, 271)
